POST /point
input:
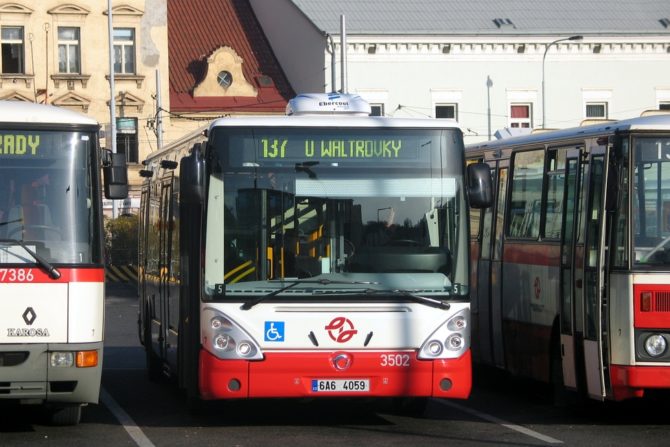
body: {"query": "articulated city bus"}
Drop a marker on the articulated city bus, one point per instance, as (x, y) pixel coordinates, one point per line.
(572, 263)
(51, 257)
(317, 254)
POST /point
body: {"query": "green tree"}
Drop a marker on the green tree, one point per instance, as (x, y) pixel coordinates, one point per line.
(121, 240)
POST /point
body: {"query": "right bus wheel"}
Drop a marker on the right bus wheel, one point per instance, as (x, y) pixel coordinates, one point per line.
(153, 363)
(69, 415)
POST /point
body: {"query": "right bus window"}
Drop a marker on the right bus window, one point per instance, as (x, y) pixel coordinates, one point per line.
(651, 201)
(526, 197)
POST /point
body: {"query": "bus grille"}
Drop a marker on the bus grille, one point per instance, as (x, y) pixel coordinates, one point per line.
(662, 302)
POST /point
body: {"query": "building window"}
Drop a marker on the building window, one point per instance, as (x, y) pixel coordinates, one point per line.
(664, 106)
(520, 116)
(376, 109)
(124, 50)
(126, 138)
(68, 50)
(596, 110)
(12, 49)
(446, 111)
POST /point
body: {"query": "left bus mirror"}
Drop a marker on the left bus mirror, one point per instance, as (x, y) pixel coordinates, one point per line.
(480, 185)
(115, 174)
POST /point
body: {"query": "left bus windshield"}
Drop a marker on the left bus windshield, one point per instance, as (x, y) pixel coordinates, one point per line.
(47, 198)
(360, 208)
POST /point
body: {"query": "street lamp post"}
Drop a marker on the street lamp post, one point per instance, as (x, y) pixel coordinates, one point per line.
(544, 99)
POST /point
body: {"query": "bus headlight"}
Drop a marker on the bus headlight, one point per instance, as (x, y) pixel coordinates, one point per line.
(454, 342)
(450, 340)
(226, 339)
(655, 345)
(62, 359)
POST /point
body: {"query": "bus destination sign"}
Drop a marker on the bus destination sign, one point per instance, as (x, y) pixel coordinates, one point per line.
(19, 144)
(335, 149)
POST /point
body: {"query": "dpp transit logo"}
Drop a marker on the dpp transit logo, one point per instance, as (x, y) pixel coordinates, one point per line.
(341, 329)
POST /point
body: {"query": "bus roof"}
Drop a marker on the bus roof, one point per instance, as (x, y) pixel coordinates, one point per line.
(644, 123)
(334, 121)
(28, 112)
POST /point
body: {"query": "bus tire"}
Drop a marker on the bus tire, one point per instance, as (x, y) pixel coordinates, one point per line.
(154, 372)
(67, 415)
(559, 393)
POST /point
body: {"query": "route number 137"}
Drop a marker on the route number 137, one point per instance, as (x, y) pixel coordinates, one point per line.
(274, 148)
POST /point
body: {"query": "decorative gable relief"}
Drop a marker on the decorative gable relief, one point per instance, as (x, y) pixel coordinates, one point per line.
(72, 101)
(14, 8)
(225, 62)
(125, 10)
(69, 9)
(126, 101)
(16, 96)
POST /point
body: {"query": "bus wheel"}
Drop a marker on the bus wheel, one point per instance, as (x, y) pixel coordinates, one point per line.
(68, 415)
(560, 394)
(154, 371)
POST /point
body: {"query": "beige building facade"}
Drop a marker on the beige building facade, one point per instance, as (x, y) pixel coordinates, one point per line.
(57, 52)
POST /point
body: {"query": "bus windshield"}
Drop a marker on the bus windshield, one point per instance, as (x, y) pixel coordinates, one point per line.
(651, 202)
(47, 200)
(346, 210)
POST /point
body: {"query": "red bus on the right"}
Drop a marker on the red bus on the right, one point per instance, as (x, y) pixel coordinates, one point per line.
(571, 266)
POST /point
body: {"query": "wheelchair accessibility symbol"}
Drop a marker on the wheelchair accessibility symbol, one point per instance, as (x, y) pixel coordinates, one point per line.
(274, 331)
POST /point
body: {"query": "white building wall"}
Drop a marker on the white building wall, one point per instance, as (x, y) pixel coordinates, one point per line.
(630, 74)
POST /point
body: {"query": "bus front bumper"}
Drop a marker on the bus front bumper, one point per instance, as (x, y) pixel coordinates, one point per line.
(300, 374)
(26, 374)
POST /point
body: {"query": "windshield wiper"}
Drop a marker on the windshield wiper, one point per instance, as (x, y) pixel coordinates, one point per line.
(46, 265)
(324, 282)
(413, 296)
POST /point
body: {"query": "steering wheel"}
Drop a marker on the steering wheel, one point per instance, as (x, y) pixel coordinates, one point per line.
(36, 227)
(403, 243)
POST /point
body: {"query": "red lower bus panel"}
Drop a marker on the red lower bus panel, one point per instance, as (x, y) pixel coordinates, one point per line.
(631, 381)
(291, 375)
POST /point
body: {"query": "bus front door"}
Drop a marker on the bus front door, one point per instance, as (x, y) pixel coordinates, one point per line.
(568, 261)
(593, 271)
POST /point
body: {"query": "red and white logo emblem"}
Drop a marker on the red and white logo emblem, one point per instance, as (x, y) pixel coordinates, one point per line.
(341, 329)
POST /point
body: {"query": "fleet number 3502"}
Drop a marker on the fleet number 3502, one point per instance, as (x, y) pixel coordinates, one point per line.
(16, 275)
(401, 360)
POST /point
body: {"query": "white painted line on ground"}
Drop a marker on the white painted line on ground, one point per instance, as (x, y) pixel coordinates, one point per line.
(495, 420)
(125, 420)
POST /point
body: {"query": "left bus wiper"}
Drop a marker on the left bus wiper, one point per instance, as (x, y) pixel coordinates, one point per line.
(324, 282)
(46, 265)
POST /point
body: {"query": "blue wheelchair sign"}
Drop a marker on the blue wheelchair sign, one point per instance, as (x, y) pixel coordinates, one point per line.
(274, 331)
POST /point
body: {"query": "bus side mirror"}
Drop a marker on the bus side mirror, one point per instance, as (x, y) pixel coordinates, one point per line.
(192, 176)
(480, 185)
(115, 173)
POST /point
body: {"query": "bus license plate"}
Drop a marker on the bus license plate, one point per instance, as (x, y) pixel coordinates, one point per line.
(340, 385)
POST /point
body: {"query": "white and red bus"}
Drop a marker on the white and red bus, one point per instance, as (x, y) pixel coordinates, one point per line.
(317, 254)
(51, 257)
(572, 263)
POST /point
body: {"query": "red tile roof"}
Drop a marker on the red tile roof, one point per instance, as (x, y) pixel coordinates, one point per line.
(198, 27)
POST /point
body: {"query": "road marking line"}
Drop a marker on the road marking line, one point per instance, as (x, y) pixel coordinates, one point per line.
(495, 420)
(125, 420)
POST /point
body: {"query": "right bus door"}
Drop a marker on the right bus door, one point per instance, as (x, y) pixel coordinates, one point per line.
(583, 267)
(569, 347)
(593, 224)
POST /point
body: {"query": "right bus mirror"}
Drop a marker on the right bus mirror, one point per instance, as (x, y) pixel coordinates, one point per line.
(115, 174)
(192, 174)
(480, 185)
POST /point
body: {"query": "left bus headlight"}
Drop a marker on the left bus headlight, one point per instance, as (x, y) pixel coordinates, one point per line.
(226, 339)
(655, 345)
(450, 340)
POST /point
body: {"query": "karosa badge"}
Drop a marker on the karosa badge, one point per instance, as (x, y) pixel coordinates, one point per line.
(29, 316)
